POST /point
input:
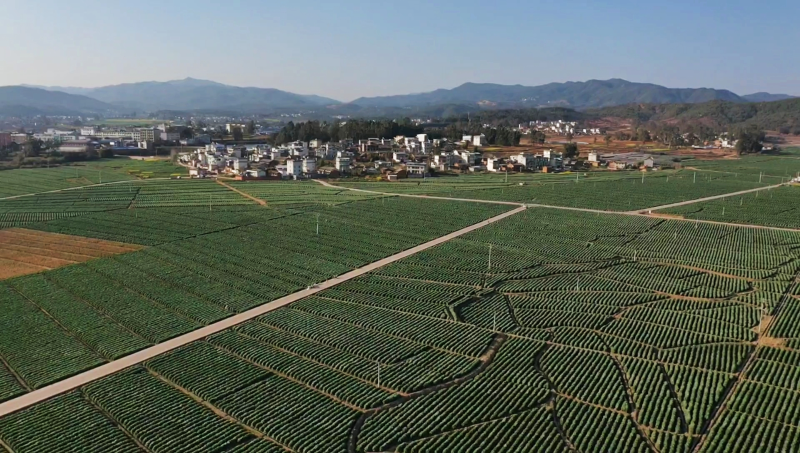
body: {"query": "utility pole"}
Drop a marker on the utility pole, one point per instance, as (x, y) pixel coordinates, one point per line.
(760, 176)
(723, 211)
(101, 177)
(317, 224)
(695, 178)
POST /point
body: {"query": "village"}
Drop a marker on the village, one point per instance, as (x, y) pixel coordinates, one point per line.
(392, 159)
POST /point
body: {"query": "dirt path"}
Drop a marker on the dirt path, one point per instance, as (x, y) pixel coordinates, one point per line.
(82, 187)
(715, 197)
(641, 212)
(246, 195)
(108, 369)
(427, 197)
(486, 359)
(745, 368)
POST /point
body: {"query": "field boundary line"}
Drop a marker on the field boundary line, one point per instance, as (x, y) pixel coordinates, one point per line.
(246, 195)
(141, 356)
(638, 213)
(13, 197)
(711, 198)
(426, 197)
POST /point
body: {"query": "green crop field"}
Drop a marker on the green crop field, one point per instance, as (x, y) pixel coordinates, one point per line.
(552, 330)
(778, 207)
(37, 180)
(548, 331)
(621, 192)
(205, 263)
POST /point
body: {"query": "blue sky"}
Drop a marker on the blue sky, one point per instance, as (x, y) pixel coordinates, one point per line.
(351, 48)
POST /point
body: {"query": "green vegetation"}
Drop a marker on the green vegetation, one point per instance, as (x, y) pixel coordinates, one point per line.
(204, 263)
(37, 180)
(551, 330)
(777, 208)
(602, 191)
(763, 115)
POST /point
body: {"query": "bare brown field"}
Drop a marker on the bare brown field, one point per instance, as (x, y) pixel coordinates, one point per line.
(24, 252)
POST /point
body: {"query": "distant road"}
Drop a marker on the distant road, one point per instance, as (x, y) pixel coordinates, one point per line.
(700, 200)
(640, 212)
(110, 368)
(82, 187)
(428, 197)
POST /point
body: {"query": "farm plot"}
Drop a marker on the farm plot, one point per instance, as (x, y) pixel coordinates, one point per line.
(36, 180)
(200, 268)
(623, 193)
(291, 194)
(776, 208)
(620, 339)
(25, 252)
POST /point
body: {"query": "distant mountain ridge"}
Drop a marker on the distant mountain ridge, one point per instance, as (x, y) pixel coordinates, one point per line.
(193, 94)
(767, 97)
(581, 95)
(18, 100)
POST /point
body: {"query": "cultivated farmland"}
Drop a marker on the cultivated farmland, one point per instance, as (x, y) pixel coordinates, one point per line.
(778, 207)
(606, 192)
(200, 266)
(25, 252)
(548, 331)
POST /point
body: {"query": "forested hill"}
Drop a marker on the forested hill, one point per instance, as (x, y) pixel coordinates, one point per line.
(764, 115)
(589, 94)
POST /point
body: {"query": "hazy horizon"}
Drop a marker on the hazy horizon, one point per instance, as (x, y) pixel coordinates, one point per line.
(358, 49)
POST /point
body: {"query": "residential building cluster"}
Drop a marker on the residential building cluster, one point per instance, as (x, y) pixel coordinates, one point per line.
(622, 161)
(559, 128)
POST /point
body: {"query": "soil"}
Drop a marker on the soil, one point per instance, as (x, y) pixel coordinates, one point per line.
(24, 252)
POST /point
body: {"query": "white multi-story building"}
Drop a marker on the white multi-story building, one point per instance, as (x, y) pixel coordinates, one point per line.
(146, 134)
(299, 149)
(294, 167)
(470, 158)
(78, 146)
(399, 156)
(416, 170)
(343, 164)
(170, 136)
(526, 160)
(241, 164)
(309, 165)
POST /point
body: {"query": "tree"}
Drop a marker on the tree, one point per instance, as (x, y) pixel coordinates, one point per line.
(32, 148)
(570, 136)
(750, 141)
(570, 150)
(237, 134)
(250, 129)
(643, 135)
(607, 139)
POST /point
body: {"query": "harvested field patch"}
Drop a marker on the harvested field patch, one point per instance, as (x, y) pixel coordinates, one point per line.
(26, 252)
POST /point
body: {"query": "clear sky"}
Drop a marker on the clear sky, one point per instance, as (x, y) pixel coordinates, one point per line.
(350, 48)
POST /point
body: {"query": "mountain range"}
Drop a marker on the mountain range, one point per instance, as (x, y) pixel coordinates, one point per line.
(202, 95)
(193, 94)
